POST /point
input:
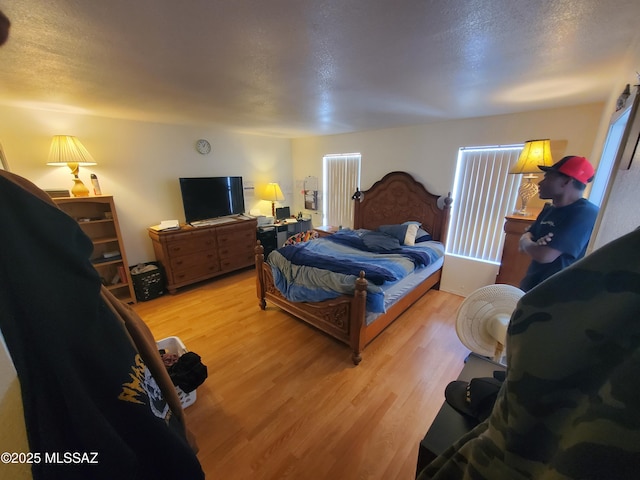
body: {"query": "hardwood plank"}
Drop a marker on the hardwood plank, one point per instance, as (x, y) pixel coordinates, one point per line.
(284, 401)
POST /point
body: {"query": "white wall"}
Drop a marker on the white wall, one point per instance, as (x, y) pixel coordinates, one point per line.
(140, 163)
(462, 275)
(429, 152)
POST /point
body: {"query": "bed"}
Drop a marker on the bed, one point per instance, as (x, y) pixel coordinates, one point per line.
(394, 200)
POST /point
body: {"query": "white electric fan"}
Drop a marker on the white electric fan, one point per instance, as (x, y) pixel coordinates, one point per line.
(483, 318)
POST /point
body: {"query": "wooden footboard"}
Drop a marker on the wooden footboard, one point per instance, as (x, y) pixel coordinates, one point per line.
(342, 318)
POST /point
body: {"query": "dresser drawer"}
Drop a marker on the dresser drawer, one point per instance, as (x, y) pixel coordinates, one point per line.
(193, 266)
(241, 247)
(234, 235)
(199, 261)
(195, 242)
(237, 261)
(235, 241)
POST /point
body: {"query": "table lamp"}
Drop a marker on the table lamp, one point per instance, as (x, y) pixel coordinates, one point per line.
(273, 193)
(67, 150)
(534, 154)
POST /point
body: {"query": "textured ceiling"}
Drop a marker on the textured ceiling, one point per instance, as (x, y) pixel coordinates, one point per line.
(312, 67)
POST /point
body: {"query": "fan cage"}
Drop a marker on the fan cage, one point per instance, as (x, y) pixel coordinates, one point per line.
(481, 307)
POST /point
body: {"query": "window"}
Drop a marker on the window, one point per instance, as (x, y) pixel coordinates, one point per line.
(614, 145)
(341, 177)
(484, 193)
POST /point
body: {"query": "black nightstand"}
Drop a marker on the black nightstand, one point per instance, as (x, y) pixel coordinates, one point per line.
(273, 236)
(449, 425)
(268, 237)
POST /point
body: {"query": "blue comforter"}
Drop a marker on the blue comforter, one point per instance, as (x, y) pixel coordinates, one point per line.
(327, 267)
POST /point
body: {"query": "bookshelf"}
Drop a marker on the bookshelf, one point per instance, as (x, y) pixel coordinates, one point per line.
(98, 218)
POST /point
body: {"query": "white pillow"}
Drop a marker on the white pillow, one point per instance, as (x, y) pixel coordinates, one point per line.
(410, 235)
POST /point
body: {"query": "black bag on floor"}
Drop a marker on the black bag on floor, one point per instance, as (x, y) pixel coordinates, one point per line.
(188, 372)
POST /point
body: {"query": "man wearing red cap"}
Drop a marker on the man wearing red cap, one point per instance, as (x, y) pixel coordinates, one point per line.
(560, 234)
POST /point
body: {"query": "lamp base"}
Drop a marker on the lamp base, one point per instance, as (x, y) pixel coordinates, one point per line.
(527, 191)
(79, 189)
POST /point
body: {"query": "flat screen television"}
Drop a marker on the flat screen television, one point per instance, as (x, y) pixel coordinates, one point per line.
(204, 198)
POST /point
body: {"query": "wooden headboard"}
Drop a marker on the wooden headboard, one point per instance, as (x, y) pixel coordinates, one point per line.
(398, 198)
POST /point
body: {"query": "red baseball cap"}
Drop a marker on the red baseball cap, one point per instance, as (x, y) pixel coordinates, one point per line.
(577, 168)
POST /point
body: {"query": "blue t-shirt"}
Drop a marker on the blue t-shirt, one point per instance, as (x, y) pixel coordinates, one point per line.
(571, 226)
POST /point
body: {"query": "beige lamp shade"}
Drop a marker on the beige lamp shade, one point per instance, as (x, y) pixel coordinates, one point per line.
(67, 150)
(535, 153)
(273, 193)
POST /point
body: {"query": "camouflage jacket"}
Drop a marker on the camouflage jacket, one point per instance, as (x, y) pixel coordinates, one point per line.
(570, 405)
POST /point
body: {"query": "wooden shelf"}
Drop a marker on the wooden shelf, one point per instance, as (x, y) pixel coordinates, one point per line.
(92, 222)
(104, 240)
(117, 286)
(104, 231)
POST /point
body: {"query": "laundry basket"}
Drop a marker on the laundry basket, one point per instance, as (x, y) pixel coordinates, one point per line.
(149, 282)
(174, 345)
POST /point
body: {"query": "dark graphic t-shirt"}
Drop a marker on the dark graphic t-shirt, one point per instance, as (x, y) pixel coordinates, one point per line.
(85, 389)
(571, 226)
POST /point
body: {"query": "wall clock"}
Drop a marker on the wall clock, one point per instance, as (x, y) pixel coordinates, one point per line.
(203, 146)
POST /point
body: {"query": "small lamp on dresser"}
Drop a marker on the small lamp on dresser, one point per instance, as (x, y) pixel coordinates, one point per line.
(535, 153)
(68, 151)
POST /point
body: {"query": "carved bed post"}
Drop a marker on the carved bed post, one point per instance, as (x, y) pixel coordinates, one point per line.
(446, 213)
(358, 323)
(259, 251)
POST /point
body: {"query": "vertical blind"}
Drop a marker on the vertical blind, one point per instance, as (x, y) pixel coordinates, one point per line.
(484, 193)
(341, 177)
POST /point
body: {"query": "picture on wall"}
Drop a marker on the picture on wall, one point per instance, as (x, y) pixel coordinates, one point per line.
(311, 193)
(311, 199)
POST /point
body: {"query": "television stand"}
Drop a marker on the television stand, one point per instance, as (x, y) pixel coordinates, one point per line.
(192, 254)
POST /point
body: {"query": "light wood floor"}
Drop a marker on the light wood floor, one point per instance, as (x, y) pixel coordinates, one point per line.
(284, 401)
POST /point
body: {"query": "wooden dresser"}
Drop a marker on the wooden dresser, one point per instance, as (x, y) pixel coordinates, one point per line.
(514, 263)
(190, 255)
